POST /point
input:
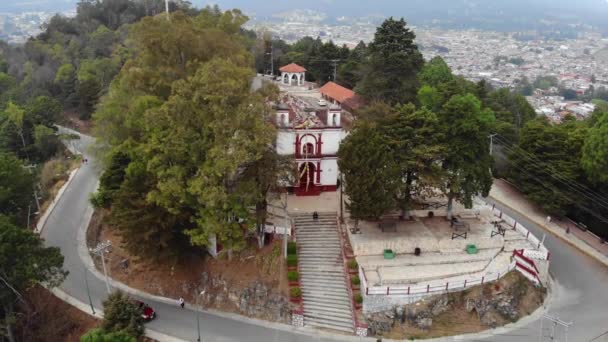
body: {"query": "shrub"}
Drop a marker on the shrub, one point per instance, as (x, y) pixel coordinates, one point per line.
(295, 292)
(293, 276)
(352, 264)
(291, 248)
(355, 280)
(292, 260)
(122, 315)
(358, 298)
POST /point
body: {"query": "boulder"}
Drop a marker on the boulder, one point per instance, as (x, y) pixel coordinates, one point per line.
(379, 323)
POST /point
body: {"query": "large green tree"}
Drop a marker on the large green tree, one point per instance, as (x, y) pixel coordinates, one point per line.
(467, 162)
(16, 188)
(369, 172)
(24, 262)
(594, 157)
(417, 144)
(546, 161)
(391, 70)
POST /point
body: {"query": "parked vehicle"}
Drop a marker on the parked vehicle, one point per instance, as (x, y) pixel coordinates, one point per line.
(147, 312)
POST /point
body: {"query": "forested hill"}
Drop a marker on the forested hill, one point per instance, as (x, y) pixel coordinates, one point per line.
(74, 59)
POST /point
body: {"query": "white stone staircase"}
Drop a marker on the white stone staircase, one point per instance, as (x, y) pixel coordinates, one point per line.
(327, 303)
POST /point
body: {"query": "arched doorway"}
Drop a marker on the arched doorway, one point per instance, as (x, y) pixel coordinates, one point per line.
(307, 176)
(308, 149)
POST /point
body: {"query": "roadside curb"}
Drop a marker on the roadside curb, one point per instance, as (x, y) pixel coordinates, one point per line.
(42, 221)
(569, 239)
(87, 260)
(85, 308)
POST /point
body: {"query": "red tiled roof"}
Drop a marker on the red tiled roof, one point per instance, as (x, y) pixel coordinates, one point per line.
(336, 92)
(293, 67)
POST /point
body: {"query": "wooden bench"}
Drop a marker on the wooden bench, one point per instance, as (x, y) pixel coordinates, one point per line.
(388, 225)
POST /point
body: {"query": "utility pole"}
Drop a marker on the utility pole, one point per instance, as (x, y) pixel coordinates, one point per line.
(491, 136)
(100, 250)
(335, 61)
(556, 321)
(167, 8)
(271, 58)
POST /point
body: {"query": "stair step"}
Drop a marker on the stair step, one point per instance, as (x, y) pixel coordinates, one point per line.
(339, 303)
(327, 310)
(325, 322)
(336, 288)
(326, 295)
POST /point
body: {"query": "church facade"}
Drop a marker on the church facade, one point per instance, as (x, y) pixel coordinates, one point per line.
(312, 136)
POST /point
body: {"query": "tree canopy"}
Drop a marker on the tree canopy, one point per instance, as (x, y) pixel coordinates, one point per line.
(391, 70)
(24, 262)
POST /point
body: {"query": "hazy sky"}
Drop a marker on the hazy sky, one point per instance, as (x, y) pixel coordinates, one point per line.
(580, 11)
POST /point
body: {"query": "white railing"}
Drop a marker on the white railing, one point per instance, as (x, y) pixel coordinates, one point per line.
(541, 253)
(402, 290)
(274, 229)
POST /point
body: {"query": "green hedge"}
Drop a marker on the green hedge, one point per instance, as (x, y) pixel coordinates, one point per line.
(291, 248)
(296, 292)
(292, 260)
(355, 280)
(352, 264)
(293, 276)
(358, 298)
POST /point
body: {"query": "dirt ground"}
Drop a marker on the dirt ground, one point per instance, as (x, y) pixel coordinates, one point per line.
(457, 320)
(71, 163)
(72, 120)
(47, 318)
(184, 278)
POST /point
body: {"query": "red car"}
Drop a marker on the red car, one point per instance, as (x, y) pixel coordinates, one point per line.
(147, 312)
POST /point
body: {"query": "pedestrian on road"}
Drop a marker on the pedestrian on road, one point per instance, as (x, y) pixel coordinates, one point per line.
(315, 216)
(548, 219)
(182, 303)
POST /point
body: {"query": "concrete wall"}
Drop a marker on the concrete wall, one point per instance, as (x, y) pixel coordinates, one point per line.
(377, 303)
(329, 174)
(331, 141)
(286, 142)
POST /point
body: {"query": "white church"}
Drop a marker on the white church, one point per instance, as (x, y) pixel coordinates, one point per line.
(310, 129)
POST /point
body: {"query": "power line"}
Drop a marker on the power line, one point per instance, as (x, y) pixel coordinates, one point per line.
(570, 183)
(553, 189)
(555, 174)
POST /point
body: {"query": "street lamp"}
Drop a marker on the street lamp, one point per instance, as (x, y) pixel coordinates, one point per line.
(86, 283)
(100, 250)
(198, 314)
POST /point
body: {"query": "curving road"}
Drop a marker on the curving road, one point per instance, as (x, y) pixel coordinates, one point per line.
(579, 287)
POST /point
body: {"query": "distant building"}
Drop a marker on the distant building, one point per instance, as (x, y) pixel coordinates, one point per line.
(293, 72)
(340, 95)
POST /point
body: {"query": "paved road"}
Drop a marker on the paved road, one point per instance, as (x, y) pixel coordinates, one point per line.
(581, 283)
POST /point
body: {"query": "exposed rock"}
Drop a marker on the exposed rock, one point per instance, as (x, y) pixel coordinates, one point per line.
(440, 305)
(489, 319)
(424, 323)
(469, 305)
(507, 307)
(379, 323)
(400, 313)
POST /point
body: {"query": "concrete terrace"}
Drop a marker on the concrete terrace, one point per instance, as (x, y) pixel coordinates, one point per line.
(442, 258)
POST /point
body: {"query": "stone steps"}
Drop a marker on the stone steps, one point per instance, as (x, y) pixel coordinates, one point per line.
(324, 324)
(326, 300)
